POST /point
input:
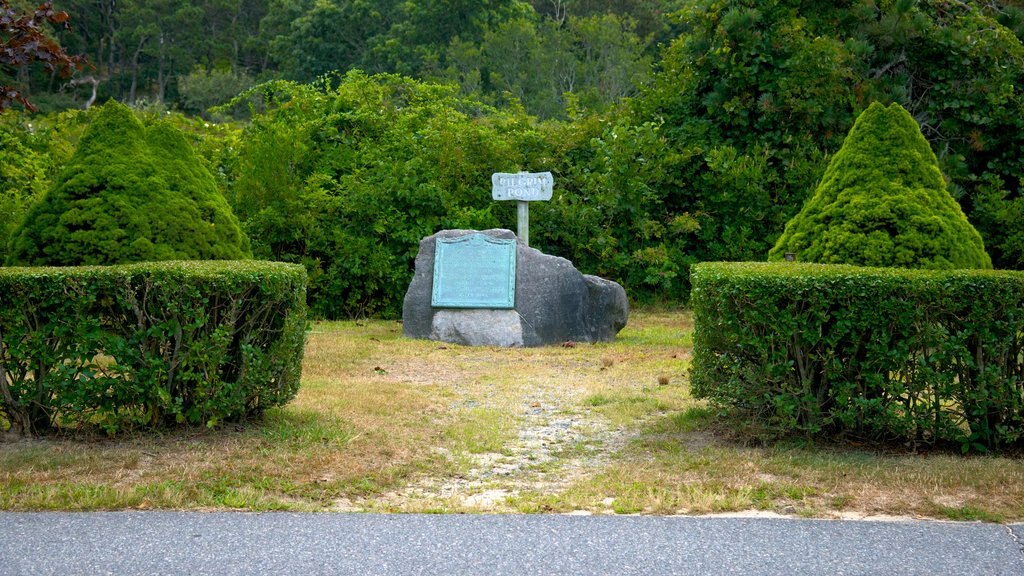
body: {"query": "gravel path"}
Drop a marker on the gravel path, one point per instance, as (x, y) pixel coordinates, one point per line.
(557, 442)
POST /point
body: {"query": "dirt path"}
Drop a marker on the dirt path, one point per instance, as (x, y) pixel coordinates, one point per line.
(556, 441)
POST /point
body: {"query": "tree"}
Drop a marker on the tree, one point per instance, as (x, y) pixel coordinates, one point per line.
(130, 193)
(141, 47)
(163, 39)
(596, 61)
(648, 14)
(883, 202)
(612, 65)
(331, 35)
(755, 95)
(200, 90)
(417, 40)
(716, 153)
(510, 55)
(24, 42)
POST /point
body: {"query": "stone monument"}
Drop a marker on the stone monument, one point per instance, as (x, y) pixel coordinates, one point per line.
(488, 288)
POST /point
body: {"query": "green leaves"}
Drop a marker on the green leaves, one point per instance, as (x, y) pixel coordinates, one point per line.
(883, 202)
(148, 345)
(23, 176)
(129, 194)
(915, 356)
(348, 179)
(783, 81)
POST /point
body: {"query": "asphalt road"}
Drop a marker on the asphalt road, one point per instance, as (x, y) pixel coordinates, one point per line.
(225, 544)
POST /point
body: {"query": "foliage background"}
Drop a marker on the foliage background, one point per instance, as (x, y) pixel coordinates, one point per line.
(678, 131)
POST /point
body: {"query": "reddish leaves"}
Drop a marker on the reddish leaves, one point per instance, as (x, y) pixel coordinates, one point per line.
(23, 42)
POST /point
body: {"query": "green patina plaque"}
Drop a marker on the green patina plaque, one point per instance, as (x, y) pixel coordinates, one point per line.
(474, 271)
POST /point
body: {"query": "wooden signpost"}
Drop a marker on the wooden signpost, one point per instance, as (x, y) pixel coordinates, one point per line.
(523, 187)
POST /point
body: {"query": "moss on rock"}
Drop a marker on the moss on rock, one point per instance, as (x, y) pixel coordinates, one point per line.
(129, 194)
(883, 202)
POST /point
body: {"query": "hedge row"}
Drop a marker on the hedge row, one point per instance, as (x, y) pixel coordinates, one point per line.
(880, 354)
(148, 344)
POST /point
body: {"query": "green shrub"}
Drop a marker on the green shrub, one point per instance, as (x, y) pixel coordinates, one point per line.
(883, 202)
(780, 84)
(129, 194)
(882, 354)
(23, 175)
(148, 344)
(347, 180)
(199, 90)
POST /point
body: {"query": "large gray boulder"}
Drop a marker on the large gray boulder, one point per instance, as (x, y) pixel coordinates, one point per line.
(554, 303)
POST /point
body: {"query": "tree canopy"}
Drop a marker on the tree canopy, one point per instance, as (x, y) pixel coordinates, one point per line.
(678, 131)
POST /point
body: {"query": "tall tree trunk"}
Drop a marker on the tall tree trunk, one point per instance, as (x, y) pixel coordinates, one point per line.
(160, 72)
(235, 45)
(99, 52)
(109, 7)
(135, 69)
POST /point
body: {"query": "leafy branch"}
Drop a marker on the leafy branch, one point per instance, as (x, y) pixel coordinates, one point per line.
(23, 42)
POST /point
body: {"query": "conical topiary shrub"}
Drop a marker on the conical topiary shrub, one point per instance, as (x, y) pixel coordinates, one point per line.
(129, 194)
(883, 202)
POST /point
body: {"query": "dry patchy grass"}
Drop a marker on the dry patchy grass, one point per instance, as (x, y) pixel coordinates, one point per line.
(687, 463)
(384, 423)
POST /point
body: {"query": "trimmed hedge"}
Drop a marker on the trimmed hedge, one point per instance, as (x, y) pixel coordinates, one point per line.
(149, 344)
(874, 353)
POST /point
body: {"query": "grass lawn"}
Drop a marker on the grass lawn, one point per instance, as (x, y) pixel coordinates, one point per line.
(387, 424)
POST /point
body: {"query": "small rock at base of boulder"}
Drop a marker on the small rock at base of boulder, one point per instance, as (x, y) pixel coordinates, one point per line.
(477, 327)
(554, 303)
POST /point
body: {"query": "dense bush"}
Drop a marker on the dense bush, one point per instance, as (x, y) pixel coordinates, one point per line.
(348, 179)
(129, 194)
(148, 344)
(753, 96)
(883, 202)
(23, 177)
(883, 354)
(611, 216)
